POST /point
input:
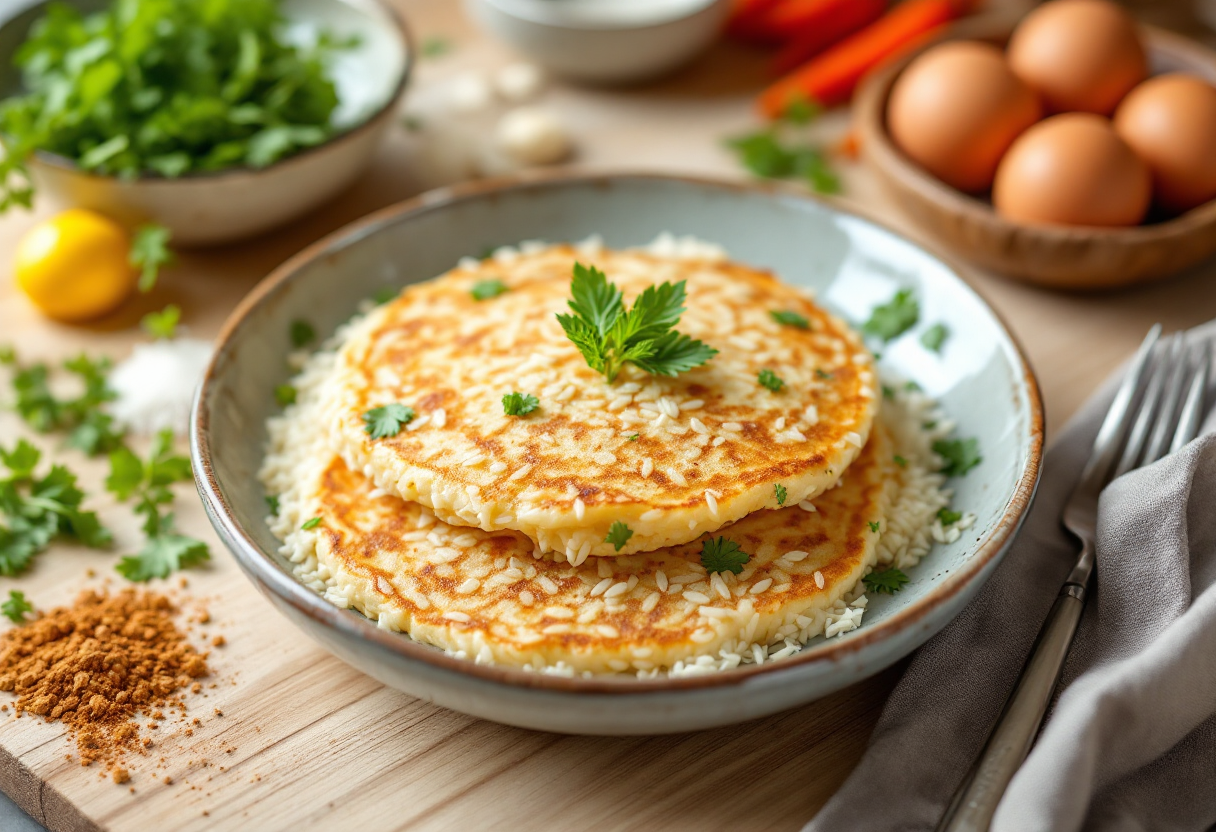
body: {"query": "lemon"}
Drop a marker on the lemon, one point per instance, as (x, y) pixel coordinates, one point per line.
(75, 266)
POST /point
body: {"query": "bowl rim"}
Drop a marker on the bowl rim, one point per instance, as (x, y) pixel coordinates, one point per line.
(535, 13)
(882, 153)
(405, 37)
(270, 578)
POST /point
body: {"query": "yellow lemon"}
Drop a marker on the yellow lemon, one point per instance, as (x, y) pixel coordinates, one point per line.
(75, 266)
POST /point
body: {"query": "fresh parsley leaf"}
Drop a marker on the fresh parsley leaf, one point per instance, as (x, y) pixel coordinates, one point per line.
(900, 461)
(771, 380)
(272, 503)
(148, 480)
(764, 155)
(947, 516)
(310, 524)
(435, 46)
(285, 394)
(781, 493)
(874, 526)
(801, 110)
(162, 324)
(895, 317)
(16, 607)
(384, 295)
(823, 374)
(634, 437)
(519, 404)
(164, 552)
(88, 426)
(721, 555)
(486, 289)
(887, 581)
(609, 336)
(302, 334)
(813, 168)
(785, 317)
(149, 252)
(126, 474)
(934, 337)
(960, 455)
(618, 535)
(382, 422)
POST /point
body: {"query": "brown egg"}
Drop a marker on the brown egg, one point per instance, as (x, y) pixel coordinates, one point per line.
(1072, 169)
(1079, 55)
(956, 109)
(1170, 121)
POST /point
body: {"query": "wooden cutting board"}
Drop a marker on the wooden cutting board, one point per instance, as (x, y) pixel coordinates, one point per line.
(304, 742)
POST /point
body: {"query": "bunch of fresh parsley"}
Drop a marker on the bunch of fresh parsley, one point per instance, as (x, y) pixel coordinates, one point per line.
(36, 510)
(82, 417)
(148, 482)
(609, 336)
(166, 87)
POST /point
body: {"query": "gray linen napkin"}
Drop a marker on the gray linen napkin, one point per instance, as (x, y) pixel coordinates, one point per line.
(1131, 742)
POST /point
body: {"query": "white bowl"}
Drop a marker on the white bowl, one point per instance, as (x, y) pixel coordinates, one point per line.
(605, 41)
(227, 205)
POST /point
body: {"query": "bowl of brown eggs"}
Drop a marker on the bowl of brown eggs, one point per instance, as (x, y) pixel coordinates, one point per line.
(1074, 148)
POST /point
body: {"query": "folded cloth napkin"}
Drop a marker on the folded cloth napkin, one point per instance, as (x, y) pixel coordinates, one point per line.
(1131, 742)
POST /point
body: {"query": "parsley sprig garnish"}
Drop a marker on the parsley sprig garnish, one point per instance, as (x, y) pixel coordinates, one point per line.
(895, 317)
(16, 607)
(935, 337)
(519, 404)
(780, 492)
(959, 455)
(36, 510)
(721, 555)
(886, 581)
(770, 380)
(487, 289)
(786, 317)
(618, 535)
(382, 422)
(609, 336)
(149, 251)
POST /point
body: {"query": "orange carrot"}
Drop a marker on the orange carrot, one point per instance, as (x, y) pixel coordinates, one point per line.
(745, 14)
(835, 20)
(830, 78)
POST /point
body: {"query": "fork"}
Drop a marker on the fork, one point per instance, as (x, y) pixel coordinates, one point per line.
(1161, 400)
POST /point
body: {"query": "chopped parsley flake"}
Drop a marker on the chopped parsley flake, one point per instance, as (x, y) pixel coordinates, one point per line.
(912, 386)
(873, 526)
(960, 455)
(163, 324)
(771, 380)
(934, 337)
(486, 289)
(609, 337)
(149, 251)
(823, 374)
(519, 404)
(384, 295)
(893, 318)
(618, 535)
(635, 437)
(765, 155)
(302, 334)
(272, 503)
(382, 422)
(888, 581)
(780, 491)
(311, 523)
(948, 517)
(787, 318)
(721, 555)
(888, 392)
(900, 461)
(16, 607)
(285, 394)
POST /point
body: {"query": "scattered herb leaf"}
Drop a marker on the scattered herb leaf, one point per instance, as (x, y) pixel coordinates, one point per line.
(311, 523)
(162, 324)
(801, 110)
(960, 455)
(16, 607)
(912, 386)
(435, 46)
(771, 380)
(486, 289)
(83, 419)
(900, 461)
(888, 392)
(823, 374)
(765, 155)
(608, 336)
(618, 535)
(787, 318)
(302, 334)
(149, 252)
(382, 422)
(164, 552)
(148, 480)
(781, 493)
(384, 295)
(272, 504)
(947, 516)
(721, 555)
(934, 337)
(874, 526)
(895, 317)
(635, 437)
(519, 404)
(887, 581)
(285, 394)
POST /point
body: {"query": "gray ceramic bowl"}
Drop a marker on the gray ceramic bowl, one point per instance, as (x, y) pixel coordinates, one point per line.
(981, 379)
(231, 204)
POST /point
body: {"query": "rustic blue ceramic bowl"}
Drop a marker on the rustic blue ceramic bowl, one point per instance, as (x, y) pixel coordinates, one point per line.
(981, 378)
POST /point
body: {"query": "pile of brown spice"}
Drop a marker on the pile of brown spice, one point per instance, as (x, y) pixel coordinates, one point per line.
(96, 665)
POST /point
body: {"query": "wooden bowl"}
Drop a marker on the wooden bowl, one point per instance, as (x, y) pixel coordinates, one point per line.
(1073, 257)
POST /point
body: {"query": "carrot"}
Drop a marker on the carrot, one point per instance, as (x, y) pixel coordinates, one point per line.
(813, 34)
(745, 14)
(830, 78)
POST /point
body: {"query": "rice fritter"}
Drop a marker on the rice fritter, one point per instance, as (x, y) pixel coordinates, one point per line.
(787, 401)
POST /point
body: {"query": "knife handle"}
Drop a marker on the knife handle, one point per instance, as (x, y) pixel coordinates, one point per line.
(975, 802)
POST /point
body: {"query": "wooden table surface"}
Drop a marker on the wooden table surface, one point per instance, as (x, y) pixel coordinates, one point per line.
(316, 745)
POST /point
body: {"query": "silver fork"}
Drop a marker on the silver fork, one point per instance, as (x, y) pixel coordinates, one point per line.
(1161, 399)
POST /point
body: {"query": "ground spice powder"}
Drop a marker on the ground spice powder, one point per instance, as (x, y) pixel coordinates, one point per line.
(96, 665)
